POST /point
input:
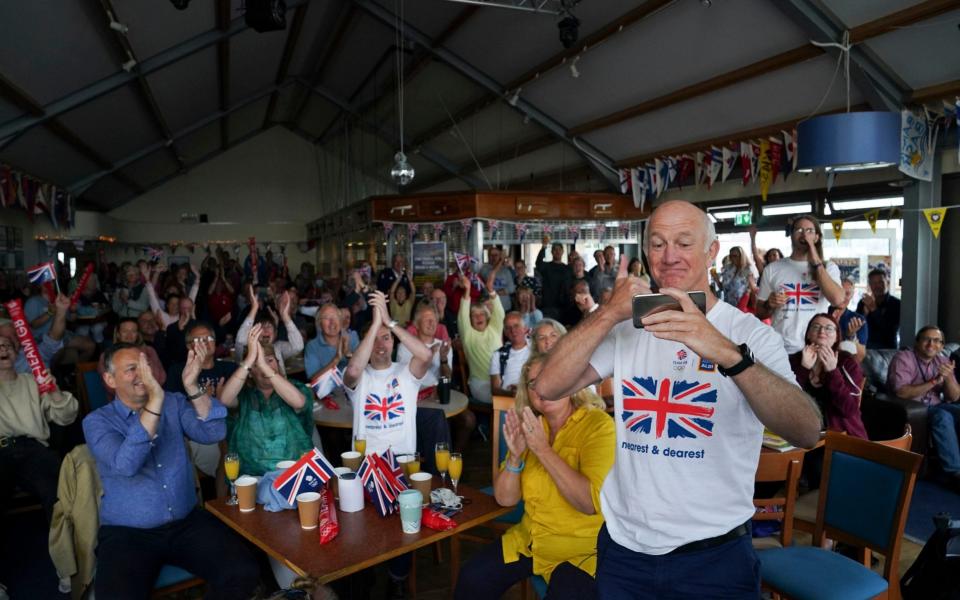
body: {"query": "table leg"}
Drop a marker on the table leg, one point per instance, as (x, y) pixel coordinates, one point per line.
(454, 562)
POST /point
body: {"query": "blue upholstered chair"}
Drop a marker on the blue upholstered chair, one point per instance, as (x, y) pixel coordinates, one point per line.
(864, 503)
(93, 393)
(174, 579)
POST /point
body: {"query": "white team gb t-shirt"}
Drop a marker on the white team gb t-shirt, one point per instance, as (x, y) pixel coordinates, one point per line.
(688, 441)
(385, 408)
(511, 371)
(798, 281)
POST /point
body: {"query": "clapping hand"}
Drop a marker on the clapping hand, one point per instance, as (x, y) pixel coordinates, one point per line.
(533, 432)
(285, 305)
(947, 369)
(809, 356)
(191, 371)
(444, 351)
(869, 303)
(828, 358)
(146, 377)
(253, 346)
(225, 319)
(513, 434)
(379, 303)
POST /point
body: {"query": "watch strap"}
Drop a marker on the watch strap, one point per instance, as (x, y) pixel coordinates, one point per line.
(745, 363)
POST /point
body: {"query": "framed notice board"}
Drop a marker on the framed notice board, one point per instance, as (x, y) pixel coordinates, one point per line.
(429, 262)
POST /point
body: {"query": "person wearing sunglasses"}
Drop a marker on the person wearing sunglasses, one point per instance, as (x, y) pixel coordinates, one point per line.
(924, 374)
(830, 373)
(796, 288)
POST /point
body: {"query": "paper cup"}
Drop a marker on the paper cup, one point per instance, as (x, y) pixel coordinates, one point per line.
(351, 460)
(335, 480)
(422, 482)
(283, 465)
(308, 505)
(351, 493)
(411, 510)
(246, 492)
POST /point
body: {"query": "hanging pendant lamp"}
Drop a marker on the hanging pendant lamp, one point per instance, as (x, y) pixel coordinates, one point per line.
(402, 172)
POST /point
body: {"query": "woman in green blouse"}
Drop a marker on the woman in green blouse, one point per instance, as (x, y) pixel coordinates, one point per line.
(271, 418)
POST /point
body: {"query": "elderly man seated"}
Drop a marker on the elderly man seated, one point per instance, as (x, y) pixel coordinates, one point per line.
(149, 515)
(506, 362)
(925, 375)
(333, 346)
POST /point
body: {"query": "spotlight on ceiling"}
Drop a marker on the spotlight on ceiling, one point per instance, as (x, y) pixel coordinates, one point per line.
(706, 3)
(569, 28)
(180, 4)
(266, 15)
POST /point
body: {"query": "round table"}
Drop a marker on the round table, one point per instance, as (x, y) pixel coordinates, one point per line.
(342, 417)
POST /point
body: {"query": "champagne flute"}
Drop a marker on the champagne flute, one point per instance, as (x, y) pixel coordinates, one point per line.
(456, 469)
(360, 445)
(231, 467)
(411, 463)
(442, 458)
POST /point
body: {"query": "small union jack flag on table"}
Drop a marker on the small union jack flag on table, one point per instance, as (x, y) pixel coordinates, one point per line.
(42, 273)
(381, 482)
(307, 475)
(684, 409)
(801, 293)
(325, 382)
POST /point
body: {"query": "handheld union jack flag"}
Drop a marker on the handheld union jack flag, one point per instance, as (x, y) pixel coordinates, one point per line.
(801, 293)
(325, 382)
(684, 408)
(395, 469)
(380, 484)
(307, 475)
(384, 408)
(42, 273)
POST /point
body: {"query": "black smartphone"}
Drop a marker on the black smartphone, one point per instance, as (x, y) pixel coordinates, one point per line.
(648, 304)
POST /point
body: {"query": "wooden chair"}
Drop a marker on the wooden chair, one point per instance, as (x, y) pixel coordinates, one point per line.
(864, 503)
(778, 467)
(90, 387)
(805, 515)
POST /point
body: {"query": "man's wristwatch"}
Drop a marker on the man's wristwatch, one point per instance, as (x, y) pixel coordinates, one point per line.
(746, 361)
(393, 323)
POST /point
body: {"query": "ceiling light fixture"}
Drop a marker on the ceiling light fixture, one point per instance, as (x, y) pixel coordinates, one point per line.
(569, 29)
(514, 97)
(119, 27)
(850, 141)
(402, 172)
(574, 71)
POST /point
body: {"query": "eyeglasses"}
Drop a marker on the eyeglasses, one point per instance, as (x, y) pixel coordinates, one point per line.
(930, 340)
(805, 230)
(202, 338)
(827, 328)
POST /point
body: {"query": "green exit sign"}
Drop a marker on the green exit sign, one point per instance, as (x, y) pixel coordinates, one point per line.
(742, 219)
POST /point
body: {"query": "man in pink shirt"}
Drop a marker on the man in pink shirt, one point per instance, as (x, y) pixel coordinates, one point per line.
(925, 375)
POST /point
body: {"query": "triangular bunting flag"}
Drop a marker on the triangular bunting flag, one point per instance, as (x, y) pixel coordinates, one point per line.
(638, 185)
(730, 155)
(685, 168)
(789, 149)
(766, 169)
(837, 228)
(918, 138)
(716, 164)
(697, 168)
(935, 217)
(624, 181)
(707, 167)
(754, 160)
(745, 152)
(776, 157)
(872, 217)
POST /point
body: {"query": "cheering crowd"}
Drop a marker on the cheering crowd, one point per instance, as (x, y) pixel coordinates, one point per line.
(202, 352)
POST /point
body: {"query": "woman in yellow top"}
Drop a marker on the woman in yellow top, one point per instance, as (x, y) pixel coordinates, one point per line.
(481, 329)
(556, 465)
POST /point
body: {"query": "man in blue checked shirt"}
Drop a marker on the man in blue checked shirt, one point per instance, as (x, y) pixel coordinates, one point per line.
(149, 515)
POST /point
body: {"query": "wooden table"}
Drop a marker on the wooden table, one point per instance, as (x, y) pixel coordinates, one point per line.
(342, 418)
(365, 539)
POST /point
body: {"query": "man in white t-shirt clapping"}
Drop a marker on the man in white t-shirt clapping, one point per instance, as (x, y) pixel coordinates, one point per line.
(384, 393)
(691, 402)
(508, 360)
(794, 289)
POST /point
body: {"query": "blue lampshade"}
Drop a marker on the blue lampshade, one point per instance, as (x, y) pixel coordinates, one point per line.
(849, 141)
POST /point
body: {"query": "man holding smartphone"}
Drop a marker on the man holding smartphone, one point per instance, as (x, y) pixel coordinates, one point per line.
(691, 403)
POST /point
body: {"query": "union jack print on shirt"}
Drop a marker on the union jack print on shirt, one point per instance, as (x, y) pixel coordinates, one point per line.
(384, 408)
(801, 293)
(683, 408)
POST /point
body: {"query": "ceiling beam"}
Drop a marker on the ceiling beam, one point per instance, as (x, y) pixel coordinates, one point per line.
(941, 91)
(424, 151)
(555, 180)
(223, 68)
(594, 156)
(327, 50)
(599, 36)
(121, 78)
(861, 33)
(79, 186)
(296, 26)
(756, 132)
(22, 100)
(126, 53)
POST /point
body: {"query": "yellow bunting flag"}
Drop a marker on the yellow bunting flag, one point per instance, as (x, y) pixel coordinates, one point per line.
(872, 217)
(935, 218)
(895, 213)
(837, 228)
(766, 169)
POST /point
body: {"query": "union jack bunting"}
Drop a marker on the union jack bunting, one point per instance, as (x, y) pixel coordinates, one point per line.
(801, 293)
(42, 273)
(685, 409)
(307, 475)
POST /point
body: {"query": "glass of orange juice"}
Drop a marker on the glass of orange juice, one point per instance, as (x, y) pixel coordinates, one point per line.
(231, 468)
(442, 458)
(456, 469)
(410, 462)
(360, 445)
